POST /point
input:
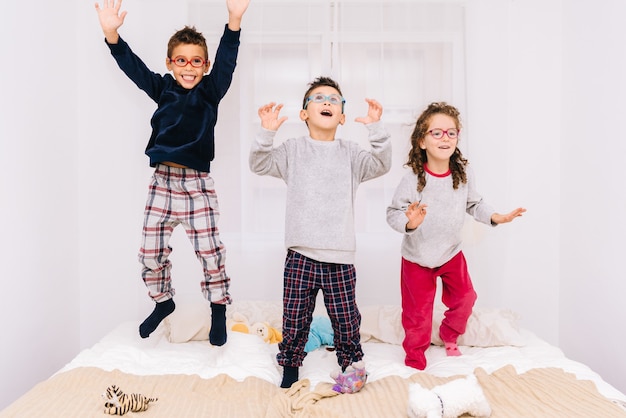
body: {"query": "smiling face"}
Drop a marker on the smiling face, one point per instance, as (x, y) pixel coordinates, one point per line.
(187, 76)
(323, 118)
(439, 151)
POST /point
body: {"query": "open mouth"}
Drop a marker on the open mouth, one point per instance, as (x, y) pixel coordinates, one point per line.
(188, 77)
(326, 112)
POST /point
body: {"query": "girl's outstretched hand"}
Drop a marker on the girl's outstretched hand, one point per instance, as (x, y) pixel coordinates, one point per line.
(498, 218)
(269, 116)
(110, 18)
(374, 112)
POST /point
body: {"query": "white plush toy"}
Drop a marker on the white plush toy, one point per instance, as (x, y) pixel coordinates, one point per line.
(450, 400)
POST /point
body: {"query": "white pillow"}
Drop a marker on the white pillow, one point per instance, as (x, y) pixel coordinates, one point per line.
(258, 311)
(485, 327)
(191, 320)
(382, 323)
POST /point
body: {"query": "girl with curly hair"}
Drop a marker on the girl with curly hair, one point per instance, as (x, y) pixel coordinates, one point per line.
(428, 208)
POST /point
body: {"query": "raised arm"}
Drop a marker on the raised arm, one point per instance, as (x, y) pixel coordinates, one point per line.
(264, 158)
(110, 19)
(377, 161)
(236, 9)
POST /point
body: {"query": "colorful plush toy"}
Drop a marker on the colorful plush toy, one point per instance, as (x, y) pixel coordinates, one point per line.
(321, 333)
(119, 403)
(267, 333)
(239, 323)
(351, 380)
(450, 400)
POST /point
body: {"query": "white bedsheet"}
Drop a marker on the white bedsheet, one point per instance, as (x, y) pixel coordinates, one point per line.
(247, 355)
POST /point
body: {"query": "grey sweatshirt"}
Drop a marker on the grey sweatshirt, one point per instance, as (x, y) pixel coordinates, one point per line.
(438, 238)
(322, 178)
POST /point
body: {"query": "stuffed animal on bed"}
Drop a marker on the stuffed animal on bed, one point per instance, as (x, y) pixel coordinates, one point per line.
(450, 400)
(321, 333)
(351, 380)
(240, 323)
(119, 403)
(267, 333)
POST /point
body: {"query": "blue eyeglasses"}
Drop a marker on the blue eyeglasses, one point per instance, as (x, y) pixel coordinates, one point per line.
(333, 99)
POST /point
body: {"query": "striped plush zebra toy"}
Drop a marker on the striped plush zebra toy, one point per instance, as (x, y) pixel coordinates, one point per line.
(119, 403)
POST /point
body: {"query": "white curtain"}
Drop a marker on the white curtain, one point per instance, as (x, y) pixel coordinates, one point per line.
(405, 54)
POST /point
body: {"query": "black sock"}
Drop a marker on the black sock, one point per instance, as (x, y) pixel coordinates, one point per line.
(290, 376)
(161, 310)
(217, 334)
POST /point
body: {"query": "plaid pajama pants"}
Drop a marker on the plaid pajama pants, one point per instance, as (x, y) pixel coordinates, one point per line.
(303, 278)
(182, 196)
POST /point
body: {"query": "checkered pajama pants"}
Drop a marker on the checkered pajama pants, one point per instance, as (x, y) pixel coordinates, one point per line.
(303, 278)
(182, 196)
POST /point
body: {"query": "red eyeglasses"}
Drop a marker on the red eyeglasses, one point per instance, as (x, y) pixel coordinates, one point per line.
(181, 61)
(437, 133)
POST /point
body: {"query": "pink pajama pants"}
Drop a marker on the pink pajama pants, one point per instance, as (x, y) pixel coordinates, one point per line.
(418, 286)
(182, 196)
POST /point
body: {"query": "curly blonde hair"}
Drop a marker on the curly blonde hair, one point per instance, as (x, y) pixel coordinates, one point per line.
(417, 156)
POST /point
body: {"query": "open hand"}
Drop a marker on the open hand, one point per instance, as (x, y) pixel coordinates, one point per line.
(416, 212)
(374, 112)
(269, 116)
(237, 8)
(498, 218)
(110, 18)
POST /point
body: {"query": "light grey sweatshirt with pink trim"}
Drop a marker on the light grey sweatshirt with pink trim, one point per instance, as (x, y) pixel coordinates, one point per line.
(439, 237)
(322, 178)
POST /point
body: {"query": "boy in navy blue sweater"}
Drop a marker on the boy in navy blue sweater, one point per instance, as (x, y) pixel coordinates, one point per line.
(181, 149)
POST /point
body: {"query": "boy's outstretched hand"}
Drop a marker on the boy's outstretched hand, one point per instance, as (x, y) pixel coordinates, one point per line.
(269, 116)
(374, 112)
(110, 19)
(236, 9)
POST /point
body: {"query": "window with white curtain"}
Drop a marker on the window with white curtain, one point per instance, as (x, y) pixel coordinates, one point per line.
(405, 54)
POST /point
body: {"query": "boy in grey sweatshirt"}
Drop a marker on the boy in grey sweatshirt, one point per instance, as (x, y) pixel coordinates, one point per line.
(322, 174)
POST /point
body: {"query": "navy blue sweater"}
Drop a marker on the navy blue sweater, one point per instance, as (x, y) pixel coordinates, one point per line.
(184, 122)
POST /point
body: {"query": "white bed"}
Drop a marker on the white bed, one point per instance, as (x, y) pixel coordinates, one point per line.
(179, 347)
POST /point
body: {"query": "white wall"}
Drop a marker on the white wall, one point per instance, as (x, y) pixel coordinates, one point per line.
(542, 78)
(593, 196)
(513, 66)
(39, 308)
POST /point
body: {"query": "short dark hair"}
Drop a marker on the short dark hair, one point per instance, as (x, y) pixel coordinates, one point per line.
(187, 35)
(321, 81)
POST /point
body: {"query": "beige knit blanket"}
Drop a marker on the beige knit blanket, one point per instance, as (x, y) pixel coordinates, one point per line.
(546, 392)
